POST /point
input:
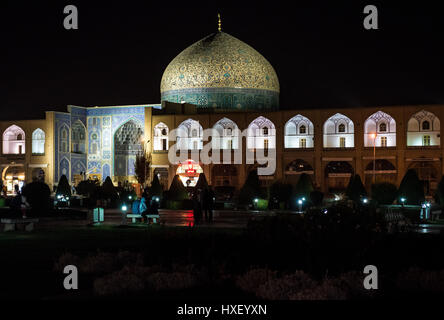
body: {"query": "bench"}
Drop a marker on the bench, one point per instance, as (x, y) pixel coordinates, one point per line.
(134, 217)
(153, 216)
(11, 223)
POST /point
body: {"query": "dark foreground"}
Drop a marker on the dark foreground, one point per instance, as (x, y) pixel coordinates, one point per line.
(275, 258)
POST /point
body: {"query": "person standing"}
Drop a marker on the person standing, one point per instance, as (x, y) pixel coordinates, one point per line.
(210, 204)
(197, 208)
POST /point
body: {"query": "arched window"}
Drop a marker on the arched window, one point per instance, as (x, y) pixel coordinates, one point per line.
(299, 133)
(338, 132)
(64, 140)
(302, 130)
(380, 130)
(189, 135)
(427, 122)
(160, 137)
(14, 140)
(38, 141)
(78, 134)
(258, 137)
(227, 134)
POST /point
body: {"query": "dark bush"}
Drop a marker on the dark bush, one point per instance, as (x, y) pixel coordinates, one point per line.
(355, 189)
(38, 196)
(177, 191)
(411, 188)
(63, 187)
(251, 189)
(108, 189)
(384, 193)
(316, 197)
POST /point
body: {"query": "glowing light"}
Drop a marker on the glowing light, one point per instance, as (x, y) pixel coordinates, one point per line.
(124, 208)
(300, 201)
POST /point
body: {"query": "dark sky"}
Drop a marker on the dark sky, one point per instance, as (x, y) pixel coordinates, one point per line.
(322, 54)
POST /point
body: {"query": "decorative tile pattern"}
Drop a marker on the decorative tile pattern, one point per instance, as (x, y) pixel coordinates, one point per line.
(222, 72)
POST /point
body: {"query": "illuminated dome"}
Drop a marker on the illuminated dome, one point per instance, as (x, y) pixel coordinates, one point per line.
(221, 72)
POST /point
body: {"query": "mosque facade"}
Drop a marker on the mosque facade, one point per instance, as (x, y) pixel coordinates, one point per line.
(222, 83)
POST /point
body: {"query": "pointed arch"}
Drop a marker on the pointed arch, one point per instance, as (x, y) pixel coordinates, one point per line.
(227, 134)
(299, 132)
(78, 137)
(189, 135)
(14, 140)
(380, 130)
(339, 132)
(423, 129)
(261, 134)
(38, 142)
(161, 132)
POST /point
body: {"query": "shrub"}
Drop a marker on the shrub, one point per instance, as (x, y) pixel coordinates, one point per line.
(63, 187)
(355, 189)
(155, 188)
(127, 280)
(280, 192)
(411, 188)
(316, 197)
(251, 189)
(177, 191)
(439, 195)
(254, 278)
(108, 189)
(416, 279)
(87, 187)
(303, 187)
(384, 193)
(285, 287)
(38, 196)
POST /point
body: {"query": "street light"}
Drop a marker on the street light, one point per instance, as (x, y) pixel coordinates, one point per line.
(403, 200)
(255, 200)
(374, 135)
(124, 208)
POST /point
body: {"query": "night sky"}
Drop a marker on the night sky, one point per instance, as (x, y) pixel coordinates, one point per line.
(323, 56)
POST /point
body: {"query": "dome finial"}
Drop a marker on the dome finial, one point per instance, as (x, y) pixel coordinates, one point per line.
(220, 23)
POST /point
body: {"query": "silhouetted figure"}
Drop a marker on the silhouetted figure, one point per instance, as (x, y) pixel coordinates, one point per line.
(210, 204)
(154, 207)
(205, 203)
(16, 203)
(197, 208)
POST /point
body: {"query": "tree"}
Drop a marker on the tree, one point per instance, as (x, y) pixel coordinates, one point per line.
(279, 194)
(384, 193)
(156, 187)
(37, 194)
(355, 189)
(303, 187)
(280, 191)
(411, 189)
(108, 189)
(202, 183)
(141, 167)
(316, 197)
(177, 191)
(439, 195)
(63, 187)
(87, 187)
(251, 189)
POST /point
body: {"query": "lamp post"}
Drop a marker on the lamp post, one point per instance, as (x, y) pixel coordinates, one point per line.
(374, 135)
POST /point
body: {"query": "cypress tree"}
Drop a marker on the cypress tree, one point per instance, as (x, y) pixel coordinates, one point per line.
(411, 189)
